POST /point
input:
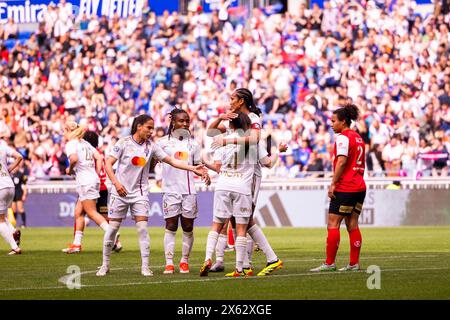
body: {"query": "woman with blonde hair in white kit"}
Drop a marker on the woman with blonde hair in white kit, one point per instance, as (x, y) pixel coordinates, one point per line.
(7, 190)
(86, 162)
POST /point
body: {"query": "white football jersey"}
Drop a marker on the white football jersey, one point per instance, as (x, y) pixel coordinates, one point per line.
(85, 173)
(133, 164)
(176, 180)
(236, 172)
(256, 123)
(5, 178)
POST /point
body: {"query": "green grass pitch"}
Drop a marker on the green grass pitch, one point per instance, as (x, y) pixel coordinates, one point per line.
(414, 264)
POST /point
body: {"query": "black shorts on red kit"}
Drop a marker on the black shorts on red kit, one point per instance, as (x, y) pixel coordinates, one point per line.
(347, 202)
(102, 202)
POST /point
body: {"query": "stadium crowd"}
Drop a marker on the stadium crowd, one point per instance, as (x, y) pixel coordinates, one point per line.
(382, 55)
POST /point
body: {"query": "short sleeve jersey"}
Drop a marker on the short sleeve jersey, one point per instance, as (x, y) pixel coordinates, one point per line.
(236, 173)
(350, 144)
(256, 124)
(5, 178)
(133, 164)
(85, 173)
(176, 180)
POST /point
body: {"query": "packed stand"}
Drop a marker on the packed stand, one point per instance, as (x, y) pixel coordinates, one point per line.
(383, 56)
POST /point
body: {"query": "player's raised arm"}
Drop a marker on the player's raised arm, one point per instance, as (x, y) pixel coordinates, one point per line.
(17, 160)
(216, 127)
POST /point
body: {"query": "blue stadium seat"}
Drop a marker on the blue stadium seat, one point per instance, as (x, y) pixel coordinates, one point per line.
(24, 35)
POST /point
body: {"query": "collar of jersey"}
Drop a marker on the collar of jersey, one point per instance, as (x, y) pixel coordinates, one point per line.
(138, 142)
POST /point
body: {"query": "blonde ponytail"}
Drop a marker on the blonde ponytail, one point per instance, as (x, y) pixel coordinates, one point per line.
(74, 131)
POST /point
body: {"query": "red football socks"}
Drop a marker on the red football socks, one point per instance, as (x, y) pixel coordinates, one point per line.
(355, 245)
(230, 236)
(334, 236)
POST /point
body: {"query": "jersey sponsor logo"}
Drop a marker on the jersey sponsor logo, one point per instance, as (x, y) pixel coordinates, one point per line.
(237, 175)
(346, 209)
(181, 155)
(116, 149)
(256, 126)
(138, 161)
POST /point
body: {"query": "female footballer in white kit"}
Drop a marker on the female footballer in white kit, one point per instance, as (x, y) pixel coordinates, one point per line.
(7, 190)
(179, 194)
(81, 157)
(86, 162)
(242, 100)
(130, 186)
(233, 192)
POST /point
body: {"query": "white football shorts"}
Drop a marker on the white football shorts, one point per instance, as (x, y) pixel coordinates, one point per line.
(118, 206)
(229, 204)
(89, 192)
(178, 204)
(6, 198)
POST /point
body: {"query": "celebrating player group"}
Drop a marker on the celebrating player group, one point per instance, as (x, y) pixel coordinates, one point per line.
(238, 153)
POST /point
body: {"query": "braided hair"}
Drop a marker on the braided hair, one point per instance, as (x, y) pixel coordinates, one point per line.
(245, 94)
(173, 114)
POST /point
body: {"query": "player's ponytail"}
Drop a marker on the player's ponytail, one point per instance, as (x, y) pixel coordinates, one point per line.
(73, 130)
(348, 113)
(139, 120)
(245, 94)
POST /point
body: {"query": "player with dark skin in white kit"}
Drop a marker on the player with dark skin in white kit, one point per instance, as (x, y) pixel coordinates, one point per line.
(133, 154)
(242, 101)
(178, 187)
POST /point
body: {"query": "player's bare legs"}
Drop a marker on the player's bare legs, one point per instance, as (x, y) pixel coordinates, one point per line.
(84, 207)
(8, 235)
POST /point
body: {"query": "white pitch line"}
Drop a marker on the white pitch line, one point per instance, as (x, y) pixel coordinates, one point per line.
(68, 277)
(220, 279)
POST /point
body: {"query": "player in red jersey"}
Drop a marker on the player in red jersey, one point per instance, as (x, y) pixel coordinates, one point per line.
(347, 190)
(100, 219)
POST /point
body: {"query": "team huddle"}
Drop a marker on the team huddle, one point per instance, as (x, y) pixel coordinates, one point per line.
(238, 155)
